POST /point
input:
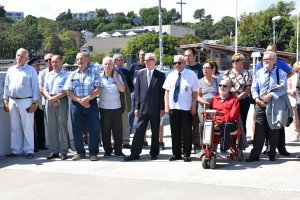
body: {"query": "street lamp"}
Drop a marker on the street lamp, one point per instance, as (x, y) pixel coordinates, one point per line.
(275, 19)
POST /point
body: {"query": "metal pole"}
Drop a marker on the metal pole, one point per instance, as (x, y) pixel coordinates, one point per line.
(297, 58)
(273, 32)
(236, 18)
(161, 63)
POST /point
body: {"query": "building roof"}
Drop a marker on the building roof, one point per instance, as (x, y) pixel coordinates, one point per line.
(229, 50)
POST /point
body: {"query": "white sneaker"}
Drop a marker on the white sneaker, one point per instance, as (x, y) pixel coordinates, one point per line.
(222, 155)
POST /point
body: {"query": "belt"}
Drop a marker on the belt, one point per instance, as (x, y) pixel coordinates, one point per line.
(20, 98)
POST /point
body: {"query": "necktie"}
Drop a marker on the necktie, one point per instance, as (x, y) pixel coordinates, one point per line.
(149, 78)
(177, 87)
(266, 85)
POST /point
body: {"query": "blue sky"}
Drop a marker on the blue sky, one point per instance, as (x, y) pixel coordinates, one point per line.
(217, 8)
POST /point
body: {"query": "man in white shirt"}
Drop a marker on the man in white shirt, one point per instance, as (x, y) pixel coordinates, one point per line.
(181, 88)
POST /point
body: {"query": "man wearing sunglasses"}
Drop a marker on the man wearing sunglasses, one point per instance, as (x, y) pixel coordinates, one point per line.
(228, 112)
(181, 93)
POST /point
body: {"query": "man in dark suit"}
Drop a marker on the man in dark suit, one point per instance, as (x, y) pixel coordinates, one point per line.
(149, 106)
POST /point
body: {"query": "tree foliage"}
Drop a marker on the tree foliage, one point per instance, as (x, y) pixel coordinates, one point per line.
(149, 16)
(256, 29)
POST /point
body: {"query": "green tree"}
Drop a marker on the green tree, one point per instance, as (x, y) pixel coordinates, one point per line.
(151, 41)
(64, 16)
(2, 12)
(199, 14)
(189, 39)
(70, 56)
(223, 27)
(256, 29)
(97, 57)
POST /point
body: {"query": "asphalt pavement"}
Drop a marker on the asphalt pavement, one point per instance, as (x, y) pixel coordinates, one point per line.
(112, 178)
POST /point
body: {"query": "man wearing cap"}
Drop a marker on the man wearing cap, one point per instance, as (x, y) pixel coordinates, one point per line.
(39, 125)
(21, 94)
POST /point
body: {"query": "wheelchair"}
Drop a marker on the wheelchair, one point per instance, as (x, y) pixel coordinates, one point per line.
(211, 139)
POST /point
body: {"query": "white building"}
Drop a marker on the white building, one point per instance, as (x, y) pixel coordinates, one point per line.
(14, 15)
(85, 16)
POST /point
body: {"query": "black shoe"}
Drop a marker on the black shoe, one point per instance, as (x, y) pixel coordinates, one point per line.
(12, 155)
(284, 152)
(52, 155)
(153, 157)
(107, 155)
(173, 158)
(145, 143)
(126, 146)
(251, 159)
(29, 155)
(43, 148)
(131, 157)
(272, 158)
(121, 154)
(187, 159)
(63, 156)
(162, 146)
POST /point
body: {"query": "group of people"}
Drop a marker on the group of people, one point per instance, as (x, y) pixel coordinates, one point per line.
(106, 102)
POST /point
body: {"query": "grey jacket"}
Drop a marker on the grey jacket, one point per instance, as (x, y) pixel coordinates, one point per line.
(278, 111)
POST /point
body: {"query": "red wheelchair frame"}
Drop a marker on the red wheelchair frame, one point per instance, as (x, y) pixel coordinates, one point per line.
(211, 139)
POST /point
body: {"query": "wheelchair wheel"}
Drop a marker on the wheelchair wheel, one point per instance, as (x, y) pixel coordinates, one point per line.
(204, 163)
(212, 162)
(240, 156)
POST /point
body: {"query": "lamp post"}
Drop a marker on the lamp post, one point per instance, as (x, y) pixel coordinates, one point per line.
(297, 58)
(236, 32)
(275, 19)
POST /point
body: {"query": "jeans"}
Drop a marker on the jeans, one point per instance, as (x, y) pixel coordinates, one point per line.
(91, 115)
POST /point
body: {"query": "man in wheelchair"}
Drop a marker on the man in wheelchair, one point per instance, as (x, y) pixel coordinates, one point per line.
(228, 111)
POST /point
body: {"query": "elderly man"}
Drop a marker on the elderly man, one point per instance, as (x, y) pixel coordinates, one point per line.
(181, 87)
(110, 109)
(281, 64)
(57, 109)
(149, 106)
(265, 79)
(21, 95)
(83, 86)
(227, 106)
(126, 107)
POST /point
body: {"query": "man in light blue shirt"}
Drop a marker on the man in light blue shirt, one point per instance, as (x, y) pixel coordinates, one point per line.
(21, 95)
(265, 79)
(57, 109)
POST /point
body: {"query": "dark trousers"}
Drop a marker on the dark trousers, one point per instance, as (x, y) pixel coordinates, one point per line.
(39, 129)
(138, 139)
(111, 124)
(181, 127)
(261, 129)
(225, 130)
(79, 115)
(244, 108)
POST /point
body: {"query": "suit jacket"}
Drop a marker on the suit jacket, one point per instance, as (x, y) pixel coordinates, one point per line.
(149, 100)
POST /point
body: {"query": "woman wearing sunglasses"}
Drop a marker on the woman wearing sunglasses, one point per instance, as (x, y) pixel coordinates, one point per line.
(241, 80)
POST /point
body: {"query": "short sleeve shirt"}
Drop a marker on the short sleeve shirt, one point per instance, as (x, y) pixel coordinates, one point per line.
(189, 83)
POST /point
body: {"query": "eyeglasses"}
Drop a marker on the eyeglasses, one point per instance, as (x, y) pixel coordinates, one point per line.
(149, 60)
(267, 59)
(175, 63)
(47, 60)
(222, 85)
(237, 60)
